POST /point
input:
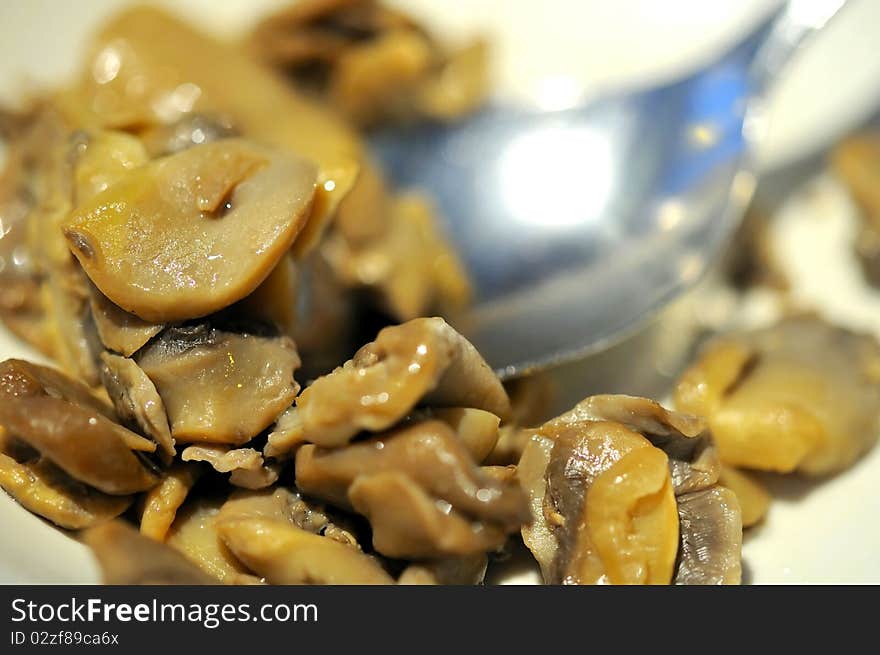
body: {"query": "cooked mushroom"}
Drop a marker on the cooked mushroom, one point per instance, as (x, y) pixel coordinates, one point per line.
(603, 482)
(370, 61)
(801, 395)
(194, 533)
(477, 429)
(137, 402)
(286, 505)
(45, 490)
(603, 507)
(409, 264)
(100, 159)
(59, 418)
(245, 465)
(711, 538)
(444, 504)
(190, 234)
(408, 523)
(127, 558)
(159, 81)
(285, 554)
(162, 501)
(219, 386)
(118, 330)
(422, 361)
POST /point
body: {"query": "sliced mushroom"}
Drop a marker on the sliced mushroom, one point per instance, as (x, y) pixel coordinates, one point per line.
(430, 454)
(285, 554)
(607, 513)
(220, 387)
(711, 538)
(60, 419)
(118, 330)
(192, 233)
(286, 505)
(245, 465)
(128, 558)
(801, 395)
(137, 402)
(44, 489)
(411, 265)
(604, 481)
(409, 523)
(753, 498)
(445, 505)
(194, 533)
(162, 501)
(423, 360)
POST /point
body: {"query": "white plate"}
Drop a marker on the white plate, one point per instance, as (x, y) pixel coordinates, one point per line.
(816, 533)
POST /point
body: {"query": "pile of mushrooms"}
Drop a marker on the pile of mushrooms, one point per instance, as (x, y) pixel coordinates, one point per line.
(199, 248)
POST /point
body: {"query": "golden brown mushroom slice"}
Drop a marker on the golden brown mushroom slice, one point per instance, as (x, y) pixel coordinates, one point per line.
(603, 506)
(444, 504)
(137, 402)
(801, 395)
(194, 534)
(44, 489)
(285, 554)
(128, 558)
(190, 234)
(219, 386)
(422, 361)
(162, 501)
(60, 418)
(606, 481)
(286, 505)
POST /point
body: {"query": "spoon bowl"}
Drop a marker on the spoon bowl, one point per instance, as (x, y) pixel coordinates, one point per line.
(578, 226)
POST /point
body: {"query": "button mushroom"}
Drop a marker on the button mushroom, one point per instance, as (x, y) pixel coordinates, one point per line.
(60, 418)
(118, 330)
(802, 395)
(604, 482)
(162, 501)
(189, 234)
(443, 504)
(285, 554)
(137, 402)
(422, 361)
(219, 386)
(194, 533)
(711, 538)
(753, 498)
(42, 488)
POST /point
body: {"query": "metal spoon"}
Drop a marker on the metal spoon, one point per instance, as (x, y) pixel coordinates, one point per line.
(578, 226)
